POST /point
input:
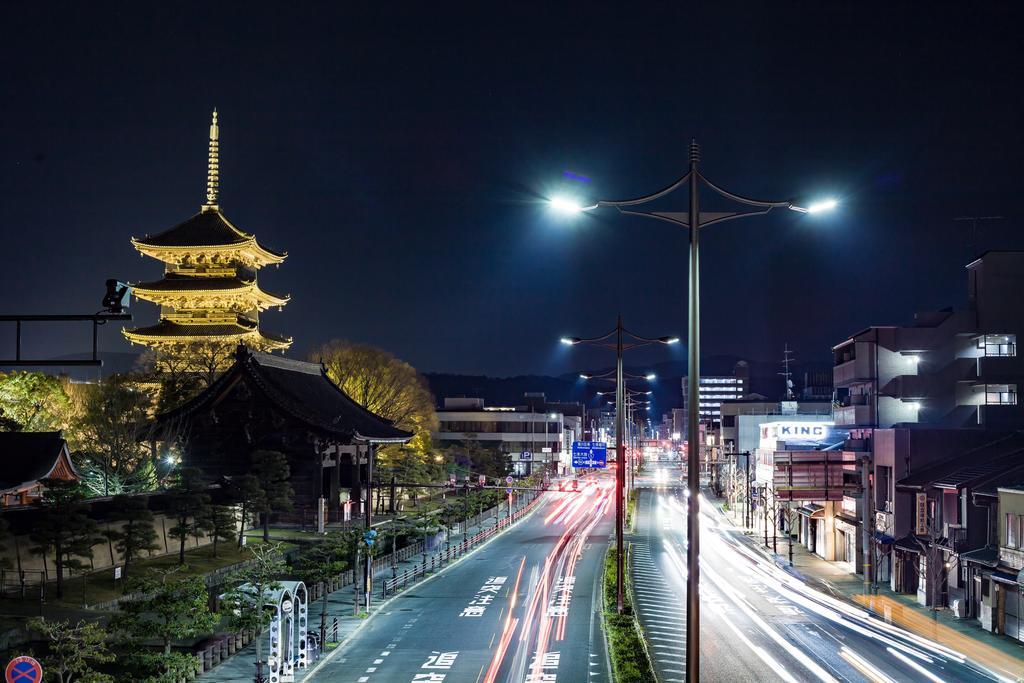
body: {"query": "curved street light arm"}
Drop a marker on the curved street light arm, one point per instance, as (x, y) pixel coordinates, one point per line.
(744, 200)
(647, 198)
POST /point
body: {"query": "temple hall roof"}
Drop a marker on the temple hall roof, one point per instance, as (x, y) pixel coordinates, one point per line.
(27, 457)
(303, 391)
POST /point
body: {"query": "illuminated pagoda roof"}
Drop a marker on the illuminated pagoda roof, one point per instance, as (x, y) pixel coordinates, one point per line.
(206, 231)
(174, 287)
(299, 389)
(241, 330)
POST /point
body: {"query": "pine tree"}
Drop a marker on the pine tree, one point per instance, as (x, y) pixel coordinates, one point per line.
(248, 604)
(221, 523)
(165, 608)
(137, 533)
(321, 564)
(64, 528)
(72, 650)
(247, 493)
(272, 471)
(189, 505)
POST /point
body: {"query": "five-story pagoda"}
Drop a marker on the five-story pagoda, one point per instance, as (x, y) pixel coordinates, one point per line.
(209, 299)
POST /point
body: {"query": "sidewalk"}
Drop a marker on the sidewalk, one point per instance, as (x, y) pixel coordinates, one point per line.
(241, 667)
(1001, 654)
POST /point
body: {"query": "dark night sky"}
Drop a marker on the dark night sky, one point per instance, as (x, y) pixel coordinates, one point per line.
(400, 157)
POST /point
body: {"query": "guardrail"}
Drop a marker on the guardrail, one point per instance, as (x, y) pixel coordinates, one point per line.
(450, 554)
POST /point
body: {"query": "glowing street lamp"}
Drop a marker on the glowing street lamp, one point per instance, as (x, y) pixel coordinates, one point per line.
(693, 219)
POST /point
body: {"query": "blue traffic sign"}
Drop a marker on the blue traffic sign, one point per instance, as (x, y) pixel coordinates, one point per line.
(589, 454)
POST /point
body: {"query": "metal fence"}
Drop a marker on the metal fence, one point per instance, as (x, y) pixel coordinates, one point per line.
(399, 581)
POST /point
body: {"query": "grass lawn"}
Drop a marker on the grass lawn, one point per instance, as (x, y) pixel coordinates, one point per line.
(99, 587)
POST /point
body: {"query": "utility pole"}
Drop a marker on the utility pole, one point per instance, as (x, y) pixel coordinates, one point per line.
(786, 358)
(789, 510)
(748, 520)
(865, 482)
(368, 576)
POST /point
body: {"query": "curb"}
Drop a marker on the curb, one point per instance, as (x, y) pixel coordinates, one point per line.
(380, 607)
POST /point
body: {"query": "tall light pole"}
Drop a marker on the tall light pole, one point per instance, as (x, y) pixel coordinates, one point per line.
(693, 220)
(620, 453)
(629, 405)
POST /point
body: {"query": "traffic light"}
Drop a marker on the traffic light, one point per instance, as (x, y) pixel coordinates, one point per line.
(370, 537)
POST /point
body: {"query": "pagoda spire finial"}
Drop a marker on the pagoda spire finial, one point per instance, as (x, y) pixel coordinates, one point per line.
(213, 167)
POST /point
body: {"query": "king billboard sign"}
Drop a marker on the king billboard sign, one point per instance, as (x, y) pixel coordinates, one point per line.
(795, 432)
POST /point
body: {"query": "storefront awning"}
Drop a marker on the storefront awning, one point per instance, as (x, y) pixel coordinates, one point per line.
(908, 543)
(884, 539)
(988, 557)
(812, 510)
(1004, 577)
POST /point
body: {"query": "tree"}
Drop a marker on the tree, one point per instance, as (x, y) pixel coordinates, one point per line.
(247, 493)
(64, 528)
(185, 372)
(471, 455)
(137, 534)
(166, 608)
(113, 414)
(73, 650)
(250, 602)
(189, 504)
(34, 402)
(272, 472)
(321, 564)
(221, 523)
(388, 387)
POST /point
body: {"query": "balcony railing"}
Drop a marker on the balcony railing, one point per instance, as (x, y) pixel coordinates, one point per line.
(854, 416)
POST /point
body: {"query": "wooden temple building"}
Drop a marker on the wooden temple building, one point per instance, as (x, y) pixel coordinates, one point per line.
(208, 296)
(265, 402)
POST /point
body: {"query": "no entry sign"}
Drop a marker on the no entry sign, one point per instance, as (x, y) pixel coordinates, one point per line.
(24, 670)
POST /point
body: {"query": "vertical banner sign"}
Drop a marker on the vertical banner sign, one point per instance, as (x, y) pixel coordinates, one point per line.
(921, 519)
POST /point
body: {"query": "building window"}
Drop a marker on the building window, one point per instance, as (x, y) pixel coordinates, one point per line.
(998, 344)
(1012, 530)
(1000, 394)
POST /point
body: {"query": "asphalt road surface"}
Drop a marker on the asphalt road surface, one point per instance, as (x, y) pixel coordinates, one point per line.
(759, 622)
(525, 607)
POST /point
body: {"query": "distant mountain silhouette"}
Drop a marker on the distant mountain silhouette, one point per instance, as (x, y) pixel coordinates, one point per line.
(764, 379)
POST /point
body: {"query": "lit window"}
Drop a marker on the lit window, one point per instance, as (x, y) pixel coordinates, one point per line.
(1000, 394)
(998, 344)
(1011, 530)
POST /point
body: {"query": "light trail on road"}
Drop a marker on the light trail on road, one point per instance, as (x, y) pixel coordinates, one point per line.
(799, 645)
(546, 609)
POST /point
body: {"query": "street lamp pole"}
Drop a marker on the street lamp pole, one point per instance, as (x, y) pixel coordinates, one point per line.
(693, 432)
(620, 425)
(693, 221)
(620, 469)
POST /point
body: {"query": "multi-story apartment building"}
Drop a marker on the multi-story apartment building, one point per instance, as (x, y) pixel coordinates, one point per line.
(535, 433)
(933, 394)
(714, 389)
(950, 368)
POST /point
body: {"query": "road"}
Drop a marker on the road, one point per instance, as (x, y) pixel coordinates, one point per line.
(524, 607)
(758, 622)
